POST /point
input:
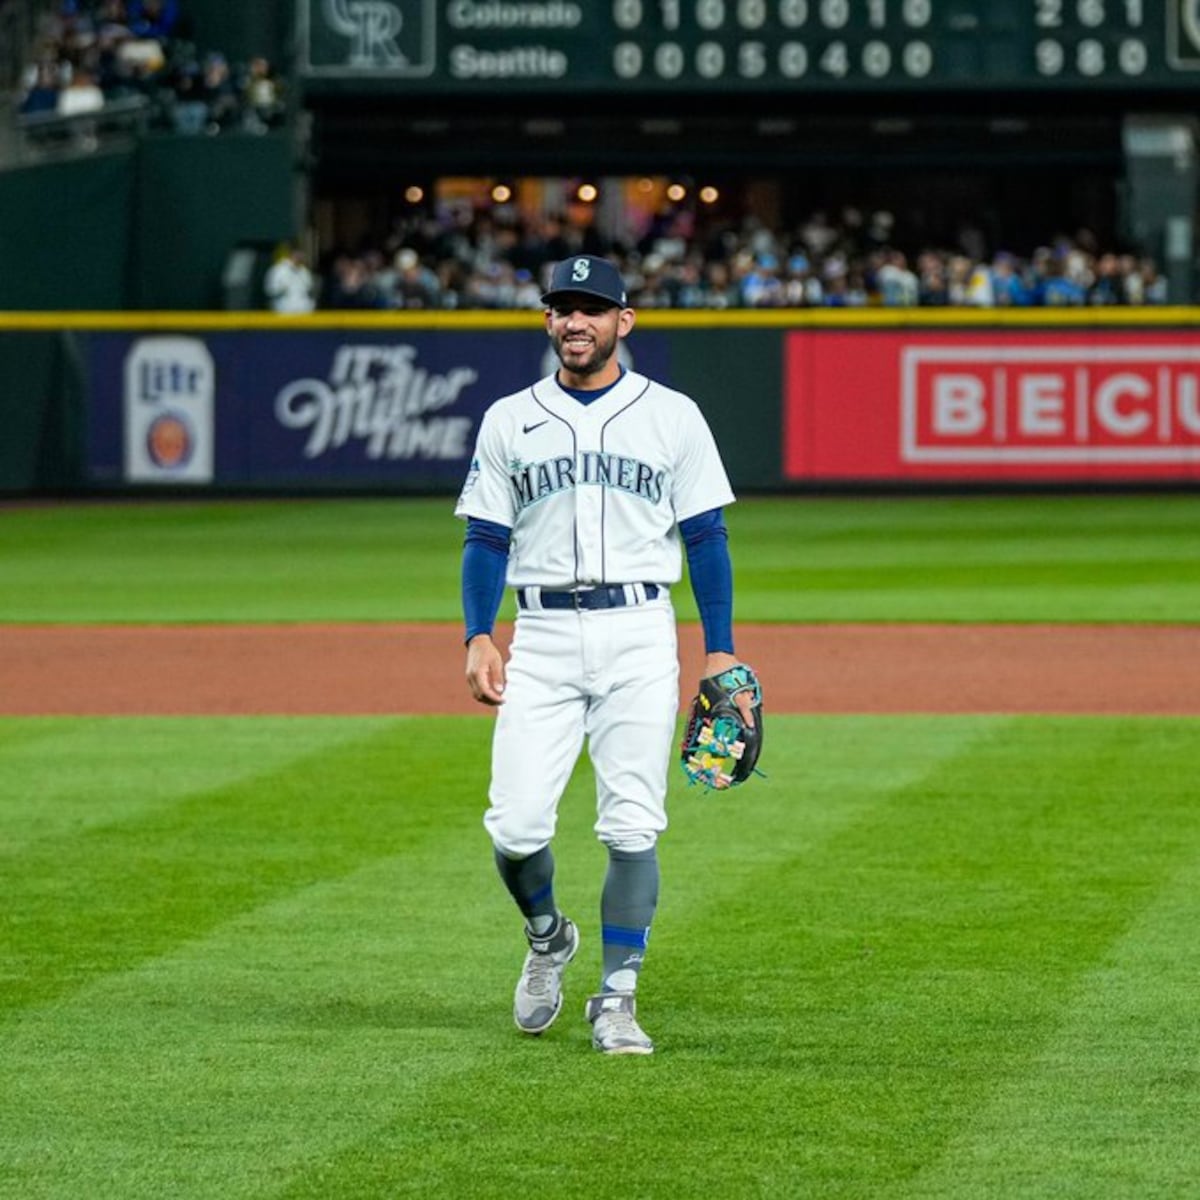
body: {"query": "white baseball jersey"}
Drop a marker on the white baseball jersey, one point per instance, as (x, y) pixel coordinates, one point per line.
(593, 493)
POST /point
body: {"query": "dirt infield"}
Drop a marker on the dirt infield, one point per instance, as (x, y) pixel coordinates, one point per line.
(381, 668)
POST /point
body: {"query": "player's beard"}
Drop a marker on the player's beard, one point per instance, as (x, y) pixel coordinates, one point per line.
(591, 361)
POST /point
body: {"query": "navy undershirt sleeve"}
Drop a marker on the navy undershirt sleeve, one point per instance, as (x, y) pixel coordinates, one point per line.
(484, 563)
(706, 541)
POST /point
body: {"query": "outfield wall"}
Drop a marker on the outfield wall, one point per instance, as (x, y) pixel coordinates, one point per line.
(797, 399)
(138, 228)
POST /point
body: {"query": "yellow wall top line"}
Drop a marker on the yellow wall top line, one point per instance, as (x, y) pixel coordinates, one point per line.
(526, 319)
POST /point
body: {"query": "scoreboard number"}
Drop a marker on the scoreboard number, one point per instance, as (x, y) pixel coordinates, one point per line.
(655, 46)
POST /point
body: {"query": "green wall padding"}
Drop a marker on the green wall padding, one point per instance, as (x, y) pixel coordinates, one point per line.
(198, 198)
(65, 231)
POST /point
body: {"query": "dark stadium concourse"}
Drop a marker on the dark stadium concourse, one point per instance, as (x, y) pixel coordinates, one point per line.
(1061, 134)
(981, 128)
(1019, 176)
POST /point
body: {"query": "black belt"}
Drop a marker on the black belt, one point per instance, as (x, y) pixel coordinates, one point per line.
(615, 595)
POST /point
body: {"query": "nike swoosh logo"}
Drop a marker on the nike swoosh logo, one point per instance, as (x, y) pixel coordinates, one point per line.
(531, 428)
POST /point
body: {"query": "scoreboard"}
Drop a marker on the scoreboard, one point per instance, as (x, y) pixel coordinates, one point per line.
(492, 48)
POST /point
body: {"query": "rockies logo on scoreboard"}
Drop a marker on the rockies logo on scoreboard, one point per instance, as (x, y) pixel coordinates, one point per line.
(365, 37)
(418, 46)
(1183, 34)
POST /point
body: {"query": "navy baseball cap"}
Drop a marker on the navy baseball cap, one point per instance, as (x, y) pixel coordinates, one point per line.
(586, 275)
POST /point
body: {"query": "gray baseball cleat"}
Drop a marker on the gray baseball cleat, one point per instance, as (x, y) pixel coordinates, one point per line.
(614, 1024)
(538, 999)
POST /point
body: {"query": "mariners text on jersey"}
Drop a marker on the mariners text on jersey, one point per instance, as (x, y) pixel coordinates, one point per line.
(593, 492)
(536, 481)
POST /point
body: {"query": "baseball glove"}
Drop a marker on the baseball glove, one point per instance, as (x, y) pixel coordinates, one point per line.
(719, 749)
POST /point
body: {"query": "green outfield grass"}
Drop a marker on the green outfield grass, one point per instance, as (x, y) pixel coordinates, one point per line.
(924, 959)
(969, 558)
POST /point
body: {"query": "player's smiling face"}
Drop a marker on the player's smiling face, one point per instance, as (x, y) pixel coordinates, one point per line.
(584, 332)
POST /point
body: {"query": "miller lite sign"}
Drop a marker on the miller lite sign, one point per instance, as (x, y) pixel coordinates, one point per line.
(169, 389)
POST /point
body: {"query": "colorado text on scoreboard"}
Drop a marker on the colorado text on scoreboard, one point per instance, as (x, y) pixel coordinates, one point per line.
(1078, 404)
(418, 46)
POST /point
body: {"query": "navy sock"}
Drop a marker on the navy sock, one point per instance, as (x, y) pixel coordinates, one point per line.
(530, 882)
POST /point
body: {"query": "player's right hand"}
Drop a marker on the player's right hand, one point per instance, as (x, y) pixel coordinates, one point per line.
(485, 670)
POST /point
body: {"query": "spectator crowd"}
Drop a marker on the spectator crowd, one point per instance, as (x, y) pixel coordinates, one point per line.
(93, 53)
(493, 259)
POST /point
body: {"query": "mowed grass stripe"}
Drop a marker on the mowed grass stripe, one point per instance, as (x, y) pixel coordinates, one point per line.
(120, 892)
(1110, 1104)
(839, 1012)
(107, 771)
(347, 984)
(275, 1038)
(796, 558)
(1100, 591)
(263, 560)
(857, 962)
(939, 946)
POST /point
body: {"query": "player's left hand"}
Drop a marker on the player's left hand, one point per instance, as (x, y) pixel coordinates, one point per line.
(719, 661)
(723, 734)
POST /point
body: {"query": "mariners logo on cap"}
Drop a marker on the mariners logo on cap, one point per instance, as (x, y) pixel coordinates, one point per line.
(588, 276)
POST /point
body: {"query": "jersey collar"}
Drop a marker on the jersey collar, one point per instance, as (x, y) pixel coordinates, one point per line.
(551, 393)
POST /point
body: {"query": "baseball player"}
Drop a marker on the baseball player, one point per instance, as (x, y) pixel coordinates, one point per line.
(582, 487)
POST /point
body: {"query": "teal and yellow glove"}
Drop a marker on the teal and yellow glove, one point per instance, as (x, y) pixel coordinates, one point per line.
(719, 748)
